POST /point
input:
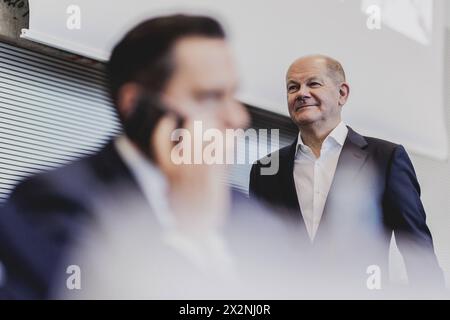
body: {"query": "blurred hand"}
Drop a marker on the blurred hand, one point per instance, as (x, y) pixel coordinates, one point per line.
(198, 196)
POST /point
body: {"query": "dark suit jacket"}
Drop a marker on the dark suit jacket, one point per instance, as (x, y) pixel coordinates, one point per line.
(45, 218)
(374, 193)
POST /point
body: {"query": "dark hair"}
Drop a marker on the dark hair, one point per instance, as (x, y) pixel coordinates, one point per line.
(144, 53)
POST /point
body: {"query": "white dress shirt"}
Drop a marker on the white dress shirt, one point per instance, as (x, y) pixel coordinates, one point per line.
(313, 176)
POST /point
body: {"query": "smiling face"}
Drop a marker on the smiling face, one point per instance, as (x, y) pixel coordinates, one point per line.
(316, 92)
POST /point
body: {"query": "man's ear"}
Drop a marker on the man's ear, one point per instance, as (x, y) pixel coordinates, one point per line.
(344, 91)
(127, 98)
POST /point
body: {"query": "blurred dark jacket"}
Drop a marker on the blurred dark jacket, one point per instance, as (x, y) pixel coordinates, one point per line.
(374, 193)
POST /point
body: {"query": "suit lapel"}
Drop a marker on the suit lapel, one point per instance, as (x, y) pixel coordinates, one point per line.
(287, 187)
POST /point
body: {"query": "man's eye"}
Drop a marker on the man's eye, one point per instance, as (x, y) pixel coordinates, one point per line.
(292, 88)
(314, 84)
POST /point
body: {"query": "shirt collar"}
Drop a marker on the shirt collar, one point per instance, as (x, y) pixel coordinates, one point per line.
(338, 135)
(148, 176)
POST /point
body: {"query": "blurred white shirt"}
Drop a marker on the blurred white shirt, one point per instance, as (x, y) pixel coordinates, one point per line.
(206, 252)
(313, 176)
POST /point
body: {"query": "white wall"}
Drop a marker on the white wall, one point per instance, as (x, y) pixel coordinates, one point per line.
(395, 73)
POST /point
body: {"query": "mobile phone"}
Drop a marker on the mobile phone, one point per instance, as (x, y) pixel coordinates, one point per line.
(140, 125)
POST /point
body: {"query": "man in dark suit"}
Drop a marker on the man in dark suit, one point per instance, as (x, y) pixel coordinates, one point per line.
(346, 192)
